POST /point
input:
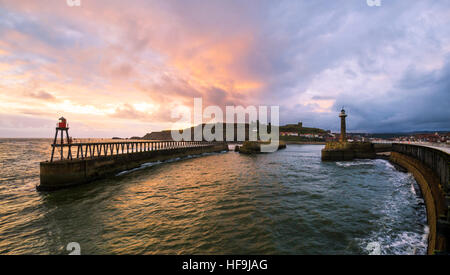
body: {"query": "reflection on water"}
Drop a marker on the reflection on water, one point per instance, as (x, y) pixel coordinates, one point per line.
(288, 202)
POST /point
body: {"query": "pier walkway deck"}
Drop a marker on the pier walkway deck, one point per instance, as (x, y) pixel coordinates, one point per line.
(85, 162)
(69, 151)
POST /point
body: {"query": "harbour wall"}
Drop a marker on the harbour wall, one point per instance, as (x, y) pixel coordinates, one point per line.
(344, 151)
(61, 174)
(430, 167)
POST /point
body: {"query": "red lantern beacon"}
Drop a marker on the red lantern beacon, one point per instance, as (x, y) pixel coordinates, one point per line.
(62, 123)
(62, 126)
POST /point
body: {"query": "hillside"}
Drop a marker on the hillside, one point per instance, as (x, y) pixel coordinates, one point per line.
(298, 128)
(295, 128)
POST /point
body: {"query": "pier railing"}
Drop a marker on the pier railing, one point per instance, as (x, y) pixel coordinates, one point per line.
(423, 143)
(69, 151)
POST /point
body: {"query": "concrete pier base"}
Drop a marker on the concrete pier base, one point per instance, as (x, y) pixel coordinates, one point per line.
(344, 151)
(66, 173)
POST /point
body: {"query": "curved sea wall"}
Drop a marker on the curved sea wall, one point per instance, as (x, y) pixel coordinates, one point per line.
(430, 167)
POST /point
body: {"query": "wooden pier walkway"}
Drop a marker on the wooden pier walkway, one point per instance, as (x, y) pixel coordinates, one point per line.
(70, 151)
(80, 163)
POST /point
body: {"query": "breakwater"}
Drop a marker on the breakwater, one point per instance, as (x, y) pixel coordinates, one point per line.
(345, 151)
(430, 167)
(255, 147)
(116, 157)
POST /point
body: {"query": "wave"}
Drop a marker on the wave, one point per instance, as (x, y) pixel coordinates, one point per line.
(406, 243)
(355, 163)
(154, 163)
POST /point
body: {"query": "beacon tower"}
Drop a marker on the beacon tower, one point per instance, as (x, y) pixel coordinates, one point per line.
(343, 115)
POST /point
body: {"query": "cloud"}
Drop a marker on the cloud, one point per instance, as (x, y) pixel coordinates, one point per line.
(41, 95)
(419, 100)
(309, 57)
(129, 112)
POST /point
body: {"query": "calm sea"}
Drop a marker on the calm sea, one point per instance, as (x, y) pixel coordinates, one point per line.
(288, 202)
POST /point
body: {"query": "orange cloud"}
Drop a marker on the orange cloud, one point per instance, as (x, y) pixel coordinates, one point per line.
(109, 60)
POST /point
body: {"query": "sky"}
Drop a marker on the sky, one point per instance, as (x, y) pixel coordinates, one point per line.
(119, 68)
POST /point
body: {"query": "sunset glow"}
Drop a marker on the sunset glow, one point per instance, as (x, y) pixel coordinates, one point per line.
(116, 68)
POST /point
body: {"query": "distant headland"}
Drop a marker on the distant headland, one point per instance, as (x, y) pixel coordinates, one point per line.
(298, 134)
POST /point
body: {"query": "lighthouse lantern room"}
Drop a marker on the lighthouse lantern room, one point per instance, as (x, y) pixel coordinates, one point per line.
(62, 123)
